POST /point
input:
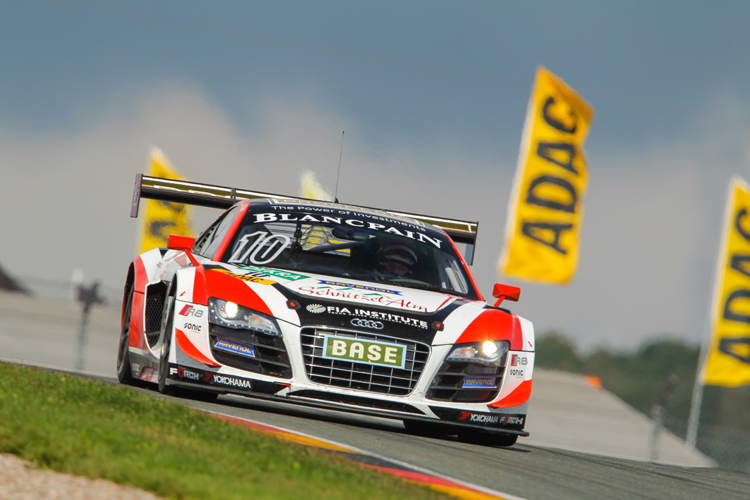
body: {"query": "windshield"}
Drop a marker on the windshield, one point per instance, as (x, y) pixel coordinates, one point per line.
(424, 259)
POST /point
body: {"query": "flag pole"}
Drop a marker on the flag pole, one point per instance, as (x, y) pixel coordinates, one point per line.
(700, 373)
(697, 400)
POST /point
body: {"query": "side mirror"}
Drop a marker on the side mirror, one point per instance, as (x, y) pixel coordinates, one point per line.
(184, 243)
(177, 242)
(502, 292)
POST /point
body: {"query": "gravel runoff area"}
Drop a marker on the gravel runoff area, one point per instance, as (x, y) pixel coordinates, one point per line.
(19, 480)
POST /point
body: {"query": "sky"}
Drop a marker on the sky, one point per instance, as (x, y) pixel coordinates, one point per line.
(432, 97)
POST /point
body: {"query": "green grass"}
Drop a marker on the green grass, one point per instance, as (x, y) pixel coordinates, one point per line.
(87, 428)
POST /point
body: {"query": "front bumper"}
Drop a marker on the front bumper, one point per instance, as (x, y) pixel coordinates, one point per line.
(291, 369)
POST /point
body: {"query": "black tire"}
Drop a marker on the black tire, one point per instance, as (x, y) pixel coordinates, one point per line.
(486, 438)
(124, 372)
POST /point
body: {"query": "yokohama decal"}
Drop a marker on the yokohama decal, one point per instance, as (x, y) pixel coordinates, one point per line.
(231, 381)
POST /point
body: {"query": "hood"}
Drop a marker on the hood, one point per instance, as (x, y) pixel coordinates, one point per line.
(359, 305)
(320, 301)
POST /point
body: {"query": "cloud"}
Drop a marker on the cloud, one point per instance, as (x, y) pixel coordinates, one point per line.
(650, 228)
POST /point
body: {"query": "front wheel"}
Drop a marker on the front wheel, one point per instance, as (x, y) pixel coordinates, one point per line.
(124, 373)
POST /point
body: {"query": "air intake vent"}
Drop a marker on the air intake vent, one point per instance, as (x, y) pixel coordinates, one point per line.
(462, 382)
(155, 295)
(258, 352)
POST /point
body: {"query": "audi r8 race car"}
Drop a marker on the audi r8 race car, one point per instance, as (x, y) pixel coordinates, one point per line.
(329, 305)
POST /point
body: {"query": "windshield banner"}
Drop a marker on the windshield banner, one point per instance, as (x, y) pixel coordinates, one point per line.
(728, 361)
(163, 218)
(546, 206)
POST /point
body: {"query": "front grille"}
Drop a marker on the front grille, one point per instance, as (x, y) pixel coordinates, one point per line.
(360, 376)
(449, 381)
(155, 295)
(270, 358)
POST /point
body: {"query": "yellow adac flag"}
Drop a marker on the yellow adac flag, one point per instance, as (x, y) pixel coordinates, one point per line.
(728, 356)
(162, 218)
(546, 206)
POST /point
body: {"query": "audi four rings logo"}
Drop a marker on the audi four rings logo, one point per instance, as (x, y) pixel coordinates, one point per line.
(365, 323)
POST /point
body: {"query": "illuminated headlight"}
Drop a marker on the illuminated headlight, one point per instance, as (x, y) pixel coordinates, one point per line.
(487, 352)
(229, 314)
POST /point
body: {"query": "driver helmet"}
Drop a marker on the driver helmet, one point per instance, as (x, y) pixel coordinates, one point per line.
(399, 257)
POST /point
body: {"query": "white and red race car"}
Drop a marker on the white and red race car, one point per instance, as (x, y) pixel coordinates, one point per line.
(329, 305)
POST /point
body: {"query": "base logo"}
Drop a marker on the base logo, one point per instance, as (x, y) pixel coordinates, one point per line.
(368, 352)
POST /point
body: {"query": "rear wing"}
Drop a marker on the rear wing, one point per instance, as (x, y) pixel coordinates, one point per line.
(207, 195)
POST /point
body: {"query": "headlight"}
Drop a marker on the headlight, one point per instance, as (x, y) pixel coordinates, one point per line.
(229, 314)
(487, 352)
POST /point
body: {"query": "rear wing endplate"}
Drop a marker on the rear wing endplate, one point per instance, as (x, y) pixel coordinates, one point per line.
(207, 195)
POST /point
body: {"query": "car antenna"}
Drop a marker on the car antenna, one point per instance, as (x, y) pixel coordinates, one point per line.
(341, 153)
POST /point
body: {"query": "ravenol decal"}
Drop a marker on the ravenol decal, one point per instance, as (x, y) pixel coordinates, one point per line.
(264, 272)
(246, 277)
(479, 383)
(235, 347)
(347, 286)
(364, 351)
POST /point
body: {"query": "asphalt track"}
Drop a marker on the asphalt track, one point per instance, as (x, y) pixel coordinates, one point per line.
(521, 471)
(44, 334)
